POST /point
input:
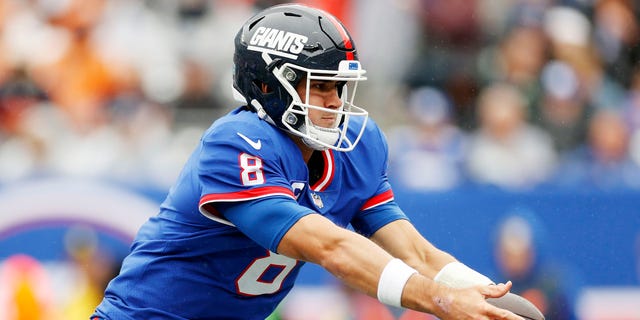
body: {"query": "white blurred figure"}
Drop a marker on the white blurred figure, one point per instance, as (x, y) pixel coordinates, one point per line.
(570, 32)
(91, 153)
(28, 39)
(153, 149)
(428, 154)
(406, 33)
(132, 35)
(505, 150)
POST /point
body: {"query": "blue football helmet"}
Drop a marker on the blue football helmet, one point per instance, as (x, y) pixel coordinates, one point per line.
(285, 44)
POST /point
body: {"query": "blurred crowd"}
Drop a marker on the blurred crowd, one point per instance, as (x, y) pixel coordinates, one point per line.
(510, 93)
(523, 94)
(117, 90)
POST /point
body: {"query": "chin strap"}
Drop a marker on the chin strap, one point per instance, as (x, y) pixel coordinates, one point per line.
(320, 138)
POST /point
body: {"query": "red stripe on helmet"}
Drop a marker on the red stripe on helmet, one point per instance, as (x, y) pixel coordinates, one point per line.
(345, 36)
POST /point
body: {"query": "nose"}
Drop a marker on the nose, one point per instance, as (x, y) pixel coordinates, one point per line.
(332, 100)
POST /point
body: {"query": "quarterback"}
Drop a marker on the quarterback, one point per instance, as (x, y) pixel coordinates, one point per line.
(296, 174)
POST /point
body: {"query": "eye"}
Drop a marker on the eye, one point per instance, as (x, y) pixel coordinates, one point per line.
(325, 86)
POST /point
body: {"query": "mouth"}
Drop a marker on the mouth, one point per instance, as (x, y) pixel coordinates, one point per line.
(328, 121)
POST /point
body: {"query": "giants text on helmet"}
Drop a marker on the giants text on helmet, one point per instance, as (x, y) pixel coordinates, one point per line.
(277, 40)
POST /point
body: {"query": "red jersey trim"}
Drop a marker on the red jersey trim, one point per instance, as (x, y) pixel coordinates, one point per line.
(377, 200)
(328, 174)
(254, 193)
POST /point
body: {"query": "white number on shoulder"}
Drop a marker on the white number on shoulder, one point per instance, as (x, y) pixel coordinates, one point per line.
(251, 173)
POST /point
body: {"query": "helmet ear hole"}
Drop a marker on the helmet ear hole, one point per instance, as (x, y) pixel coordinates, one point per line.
(295, 118)
(292, 119)
(290, 75)
(264, 88)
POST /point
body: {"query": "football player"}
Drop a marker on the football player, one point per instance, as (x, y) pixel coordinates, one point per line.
(276, 183)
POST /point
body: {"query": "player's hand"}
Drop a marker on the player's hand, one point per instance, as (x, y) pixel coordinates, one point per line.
(470, 303)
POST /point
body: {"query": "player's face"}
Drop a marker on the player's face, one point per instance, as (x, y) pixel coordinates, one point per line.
(323, 94)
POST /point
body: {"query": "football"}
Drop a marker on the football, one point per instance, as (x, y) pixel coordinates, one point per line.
(517, 305)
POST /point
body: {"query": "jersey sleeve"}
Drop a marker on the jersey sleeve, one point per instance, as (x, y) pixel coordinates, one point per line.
(371, 220)
(380, 208)
(277, 216)
(239, 163)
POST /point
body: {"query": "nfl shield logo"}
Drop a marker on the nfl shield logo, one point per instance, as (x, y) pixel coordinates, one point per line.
(317, 200)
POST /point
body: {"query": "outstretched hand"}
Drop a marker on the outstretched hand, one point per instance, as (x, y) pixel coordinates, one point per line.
(470, 303)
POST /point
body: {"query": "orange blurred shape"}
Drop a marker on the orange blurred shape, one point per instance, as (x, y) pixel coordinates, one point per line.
(25, 288)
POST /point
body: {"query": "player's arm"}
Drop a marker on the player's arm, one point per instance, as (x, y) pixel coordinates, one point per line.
(363, 265)
(402, 240)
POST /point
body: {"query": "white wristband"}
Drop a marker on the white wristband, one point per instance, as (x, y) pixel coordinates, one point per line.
(458, 275)
(392, 281)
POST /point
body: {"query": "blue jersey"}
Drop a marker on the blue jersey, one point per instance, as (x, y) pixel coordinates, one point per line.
(196, 261)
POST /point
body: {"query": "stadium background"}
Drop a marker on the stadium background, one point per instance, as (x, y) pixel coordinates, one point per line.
(102, 100)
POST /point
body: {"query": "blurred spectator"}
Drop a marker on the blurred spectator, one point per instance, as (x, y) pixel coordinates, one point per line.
(80, 81)
(142, 131)
(506, 151)
(25, 292)
(141, 45)
(450, 22)
(574, 80)
(17, 94)
(91, 153)
(380, 93)
(522, 257)
(518, 59)
(428, 155)
(21, 151)
(92, 268)
(570, 32)
(617, 37)
(449, 41)
(196, 104)
(27, 38)
(603, 162)
(499, 16)
(631, 109)
(631, 114)
(562, 113)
